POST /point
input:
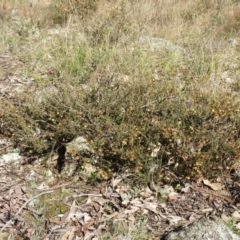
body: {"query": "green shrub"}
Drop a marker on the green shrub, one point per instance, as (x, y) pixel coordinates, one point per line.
(124, 122)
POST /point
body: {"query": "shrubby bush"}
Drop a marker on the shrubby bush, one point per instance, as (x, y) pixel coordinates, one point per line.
(124, 122)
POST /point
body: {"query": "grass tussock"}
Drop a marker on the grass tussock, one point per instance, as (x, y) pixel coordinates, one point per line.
(94, 78)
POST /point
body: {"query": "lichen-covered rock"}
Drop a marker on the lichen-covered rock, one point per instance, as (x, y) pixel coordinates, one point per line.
(77, 160)
(204, 229)
(160, 43)
(12, 156)
(76, 147)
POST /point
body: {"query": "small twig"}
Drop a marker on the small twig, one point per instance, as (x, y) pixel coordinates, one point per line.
(2, 189)
(97, 195)
(148, 104)
(5, 56)
(88, 195)
(108, 217)
(23, 206)
(157, 100)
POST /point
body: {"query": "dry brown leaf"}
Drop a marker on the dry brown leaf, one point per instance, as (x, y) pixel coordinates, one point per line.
(237, 226)
(238, 205)
(205, 210)
(18, 191)
(67, 234)
(173, 196)
(101, 201)
(72, 235)
(116, 181)
(147, 192)
(225, 218)
(136, 202)
(86, 226)
(213, 186)
(58, 221)
(132, 210)
(86, 217)
(103, 190)
(125, 196)
(151, 206)
(6, 206)
(89, 200)
(174, 219)
(89, 236)
(236, 215)
(125, 202)
(186, 188)
(131, 218)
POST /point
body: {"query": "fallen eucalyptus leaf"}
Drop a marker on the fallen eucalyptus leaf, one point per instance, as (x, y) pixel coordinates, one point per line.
(213, 186)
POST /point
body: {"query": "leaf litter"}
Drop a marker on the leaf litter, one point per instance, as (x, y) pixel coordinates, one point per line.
(91, 212)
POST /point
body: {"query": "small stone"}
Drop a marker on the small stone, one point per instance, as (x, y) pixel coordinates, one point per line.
(204, 229)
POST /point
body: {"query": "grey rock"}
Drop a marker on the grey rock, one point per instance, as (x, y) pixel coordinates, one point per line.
(233, 42)
(12, 156)
(78, 145)
(219, 45)
(204, 229)
(160, 43)
(74, 151)
(42, 95)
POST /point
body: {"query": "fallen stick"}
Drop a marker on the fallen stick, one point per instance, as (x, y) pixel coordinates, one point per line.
(107, 195)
